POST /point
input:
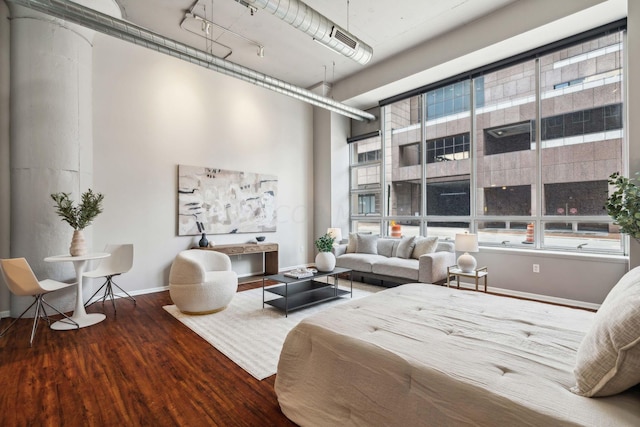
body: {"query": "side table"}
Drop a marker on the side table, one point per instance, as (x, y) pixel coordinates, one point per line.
(477, 274)
(80, 315)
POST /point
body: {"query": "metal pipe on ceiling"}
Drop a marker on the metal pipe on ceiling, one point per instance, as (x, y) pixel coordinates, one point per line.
(140, 36)
(326, 32)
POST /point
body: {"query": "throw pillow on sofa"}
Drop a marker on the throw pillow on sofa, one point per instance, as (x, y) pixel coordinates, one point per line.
(367, 244)
(351, 245)
(608, 358)
(424, 245)
(405, 247)
(386, 246)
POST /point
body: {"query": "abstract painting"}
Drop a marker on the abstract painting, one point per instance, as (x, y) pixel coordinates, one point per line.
(218, 201)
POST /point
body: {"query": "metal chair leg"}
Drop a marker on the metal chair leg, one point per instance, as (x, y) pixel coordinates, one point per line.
(17, 318)
(40, 312)
(89, 302)
(108, 293)
(65, 319)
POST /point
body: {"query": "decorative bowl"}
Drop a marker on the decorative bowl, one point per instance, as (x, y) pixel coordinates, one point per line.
(260, 238)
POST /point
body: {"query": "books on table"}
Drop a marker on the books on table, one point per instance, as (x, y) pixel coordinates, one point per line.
(301, 273)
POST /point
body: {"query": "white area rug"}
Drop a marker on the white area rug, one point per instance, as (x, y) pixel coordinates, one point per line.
(252, 336)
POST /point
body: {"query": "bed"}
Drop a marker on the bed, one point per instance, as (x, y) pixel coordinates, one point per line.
(427, 355)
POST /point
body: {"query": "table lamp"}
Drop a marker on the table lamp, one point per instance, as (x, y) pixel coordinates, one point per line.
(467, 243)
(336, 233)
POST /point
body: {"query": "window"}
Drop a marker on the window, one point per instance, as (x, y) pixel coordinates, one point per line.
(368, 204)
(366, 187)
(455, 147)
(508, 138)
(403, 171)
(519, 154)
(449, 197)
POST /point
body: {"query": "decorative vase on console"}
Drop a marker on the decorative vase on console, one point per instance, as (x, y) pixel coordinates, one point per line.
(325, 260)
(79, 217)
(203, 243)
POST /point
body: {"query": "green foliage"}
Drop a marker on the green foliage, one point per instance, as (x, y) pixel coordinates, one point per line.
(325, 243)
(623, 205)
(79, 216)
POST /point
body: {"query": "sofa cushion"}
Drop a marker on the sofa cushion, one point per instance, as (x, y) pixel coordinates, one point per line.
(405, 247)
(385, 247)
(397, 267)
(608, 358)
(367, 244)
(424, 245)
(358, 262)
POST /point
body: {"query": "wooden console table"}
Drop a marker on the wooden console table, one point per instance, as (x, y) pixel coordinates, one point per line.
(270, 251)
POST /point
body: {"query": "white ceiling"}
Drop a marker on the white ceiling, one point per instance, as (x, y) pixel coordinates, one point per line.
(291, 55)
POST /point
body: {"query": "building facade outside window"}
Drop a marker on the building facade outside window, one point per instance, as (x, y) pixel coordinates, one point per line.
(527, 146)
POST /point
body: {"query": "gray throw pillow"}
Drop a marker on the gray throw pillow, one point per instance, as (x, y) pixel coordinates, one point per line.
(385, 247)
(367, 244)
(424, 245)
(405, 247)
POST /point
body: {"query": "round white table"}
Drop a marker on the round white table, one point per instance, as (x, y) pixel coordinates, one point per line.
(80, 316)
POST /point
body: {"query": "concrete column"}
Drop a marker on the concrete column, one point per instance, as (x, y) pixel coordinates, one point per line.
(51, 137)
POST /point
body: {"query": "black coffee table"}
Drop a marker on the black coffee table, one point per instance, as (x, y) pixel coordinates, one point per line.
(297, 293)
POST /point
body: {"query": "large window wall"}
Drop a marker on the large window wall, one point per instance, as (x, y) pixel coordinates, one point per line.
(519, 154)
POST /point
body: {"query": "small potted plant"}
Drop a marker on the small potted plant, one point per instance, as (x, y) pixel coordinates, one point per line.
(78, 216)
(623, 205)
(325, 260)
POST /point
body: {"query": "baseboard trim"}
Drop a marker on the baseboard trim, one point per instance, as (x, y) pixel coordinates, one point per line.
(534, 297)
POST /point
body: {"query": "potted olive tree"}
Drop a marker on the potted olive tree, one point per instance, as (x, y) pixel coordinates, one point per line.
(623, 205)
(325, 260)
(78, 216)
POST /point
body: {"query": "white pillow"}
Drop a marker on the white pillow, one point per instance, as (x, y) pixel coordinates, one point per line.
(424, 245)
(608, 359)
(385, 247)
(367, 244)
(351, 245)
(405, 247)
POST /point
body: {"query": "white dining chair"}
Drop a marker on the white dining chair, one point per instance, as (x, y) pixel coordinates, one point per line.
(120, 262)
(21, 281)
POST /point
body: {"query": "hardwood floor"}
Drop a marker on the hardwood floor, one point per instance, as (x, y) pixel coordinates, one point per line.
(139, 367)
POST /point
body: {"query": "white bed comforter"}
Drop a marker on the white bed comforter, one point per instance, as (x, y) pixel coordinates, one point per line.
(426, 355)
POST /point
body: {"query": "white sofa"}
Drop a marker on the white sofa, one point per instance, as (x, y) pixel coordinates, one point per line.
(405, 260)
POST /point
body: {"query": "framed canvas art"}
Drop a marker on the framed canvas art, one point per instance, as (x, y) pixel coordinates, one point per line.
(218, 201)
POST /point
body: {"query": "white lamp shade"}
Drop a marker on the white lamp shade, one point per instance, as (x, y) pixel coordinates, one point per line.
(466, 242)
(336, 233)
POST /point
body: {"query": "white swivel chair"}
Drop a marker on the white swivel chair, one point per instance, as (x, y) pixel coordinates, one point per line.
(201, 281)
(21, 281)
(120, 262)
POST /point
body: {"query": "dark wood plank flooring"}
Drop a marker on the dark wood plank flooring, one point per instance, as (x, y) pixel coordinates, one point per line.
(140, 367)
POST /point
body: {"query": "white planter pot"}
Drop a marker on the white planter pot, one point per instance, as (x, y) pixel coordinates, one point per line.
(325, 261)
(78, 245)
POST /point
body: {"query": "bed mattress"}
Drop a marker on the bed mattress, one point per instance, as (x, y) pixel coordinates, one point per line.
(426, 355)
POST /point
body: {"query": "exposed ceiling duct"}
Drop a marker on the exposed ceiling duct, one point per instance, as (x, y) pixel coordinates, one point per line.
(324, 31)
(123, 30)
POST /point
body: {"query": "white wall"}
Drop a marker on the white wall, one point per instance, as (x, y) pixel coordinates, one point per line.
(153, 112)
